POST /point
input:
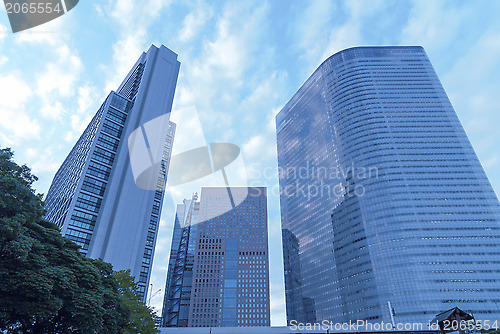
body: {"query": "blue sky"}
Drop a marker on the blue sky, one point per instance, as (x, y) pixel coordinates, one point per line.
(241, 61)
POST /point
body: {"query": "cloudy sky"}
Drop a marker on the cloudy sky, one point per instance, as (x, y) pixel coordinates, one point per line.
(241, 62)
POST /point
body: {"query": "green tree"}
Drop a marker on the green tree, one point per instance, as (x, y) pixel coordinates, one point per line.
(46, 284)
(140, 317)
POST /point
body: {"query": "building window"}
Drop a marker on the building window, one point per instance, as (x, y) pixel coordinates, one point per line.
(150, 239)
(99, 170)
(144, 274)
(94, 186)
(80, 238)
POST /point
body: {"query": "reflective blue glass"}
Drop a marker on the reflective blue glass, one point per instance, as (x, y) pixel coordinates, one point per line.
(382, 195)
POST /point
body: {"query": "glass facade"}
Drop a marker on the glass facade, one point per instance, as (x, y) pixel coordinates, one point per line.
(219, 267)
(383, 198)
(180, 266)
(83, 216)
(93, 197)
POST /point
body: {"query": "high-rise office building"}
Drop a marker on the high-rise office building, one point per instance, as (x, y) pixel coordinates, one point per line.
(177, 297)
(229, 280)
(385, 207)
(94, 197)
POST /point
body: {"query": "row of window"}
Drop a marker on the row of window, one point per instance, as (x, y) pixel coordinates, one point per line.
(108, 142)
(103, 155)
(88, 202)
(116, 116)
(81, 238)
(99, 170)
(83, 220)
(148, 252)
(112, 128)
(94, 186)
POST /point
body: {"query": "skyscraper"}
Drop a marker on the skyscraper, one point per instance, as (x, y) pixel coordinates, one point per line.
(177, 297)
(229, 280)
(94, 197)
(383, 199)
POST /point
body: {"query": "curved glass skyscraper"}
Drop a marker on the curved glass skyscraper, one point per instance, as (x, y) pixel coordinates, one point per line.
(383, 198)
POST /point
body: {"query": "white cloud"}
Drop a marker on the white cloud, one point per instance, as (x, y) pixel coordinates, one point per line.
(350, 33)
(3, 32)
(132, 19)
(58, 81)
(3, 60)
(78, 124)
(79, 117)
(473, 88)
(69, 136)
(60, 76)
(253, 147)
(266, 94)
(260, 150)
(194, 21)
(16, 123)
(41, 161)
(278, 310)
(215, 79)
(325, 27)
(493, 162)
(188, 132)
(433, 24)
(52, 110)
(87, 96)
(310, 28)
(360, 9)
(343, 37)
(14, 92)
(484, 56)
(18, 127)
(126, 51)
(227, 55)
(99, 10)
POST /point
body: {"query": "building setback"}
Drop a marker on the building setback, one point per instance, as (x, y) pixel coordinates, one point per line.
(230, 276)
(94, 198)
(383, 199)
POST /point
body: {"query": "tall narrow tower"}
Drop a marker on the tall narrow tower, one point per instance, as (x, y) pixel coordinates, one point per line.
(103, 197)
(383, 197)
(177, 297)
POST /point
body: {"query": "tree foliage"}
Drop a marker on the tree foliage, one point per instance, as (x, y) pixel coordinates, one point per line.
(140, 318)
(46, 284)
